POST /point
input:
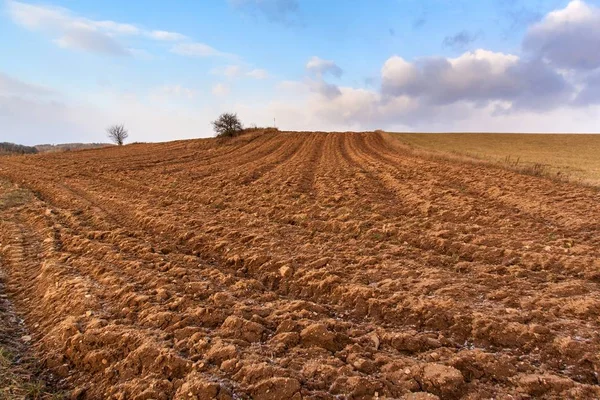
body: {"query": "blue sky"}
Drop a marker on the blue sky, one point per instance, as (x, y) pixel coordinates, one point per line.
(166, 69)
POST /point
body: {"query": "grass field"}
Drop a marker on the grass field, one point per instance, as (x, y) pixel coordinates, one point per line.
(576, 157)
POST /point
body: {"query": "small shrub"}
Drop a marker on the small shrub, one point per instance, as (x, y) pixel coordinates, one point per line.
(227, 125)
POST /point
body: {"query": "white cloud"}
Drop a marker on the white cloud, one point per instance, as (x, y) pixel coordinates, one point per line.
(317, 68)
(590, 89)
(91, 40)
(361, 109)
(32, 114)
(14, 86)
(33, 121)
(167, 36)
(229, 71)
(37, 17)
(113, 27)
(478, 90)
(498, 62)
(350, 106)
(198, 50)
(294, 86)
(479, 77)
(397, 72)
(568, 38)
(176, 91)
(448, 88)
(236, 71)
(473, 72)
(69, 30)
(220, 90)
(320, 67)
(328, 90)
(232, 71)
(259, 74)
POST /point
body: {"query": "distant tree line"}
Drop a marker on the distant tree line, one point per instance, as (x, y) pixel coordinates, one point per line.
(13, 148)
(54, 148)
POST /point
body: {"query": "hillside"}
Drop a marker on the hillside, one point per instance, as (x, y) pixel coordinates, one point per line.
(301, 265)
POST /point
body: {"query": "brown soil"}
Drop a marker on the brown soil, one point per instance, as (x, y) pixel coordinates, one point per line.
(301, 266)
(21, 376)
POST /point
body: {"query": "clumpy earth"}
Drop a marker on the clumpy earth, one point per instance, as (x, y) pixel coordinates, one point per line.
(301, 266)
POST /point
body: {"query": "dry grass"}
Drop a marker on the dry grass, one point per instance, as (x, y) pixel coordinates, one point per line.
(14, 387)
(572, 157)
(14, 198)
(18, 376)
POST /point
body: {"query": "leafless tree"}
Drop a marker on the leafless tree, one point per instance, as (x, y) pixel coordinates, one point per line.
(228, 125)
(118, 134)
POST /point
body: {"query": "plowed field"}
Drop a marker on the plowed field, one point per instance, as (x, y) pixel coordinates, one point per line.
(301, 266)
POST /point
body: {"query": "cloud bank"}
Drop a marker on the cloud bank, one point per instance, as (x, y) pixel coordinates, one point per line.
(557, 72)
(69, 30)
(551, 84)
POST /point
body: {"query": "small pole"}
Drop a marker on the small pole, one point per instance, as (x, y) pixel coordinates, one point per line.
(274, 124)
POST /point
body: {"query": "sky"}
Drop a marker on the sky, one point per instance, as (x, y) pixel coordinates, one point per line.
(71, 68)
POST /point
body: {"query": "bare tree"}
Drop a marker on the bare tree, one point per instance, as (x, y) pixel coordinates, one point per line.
(228, 125)
(118, 134)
